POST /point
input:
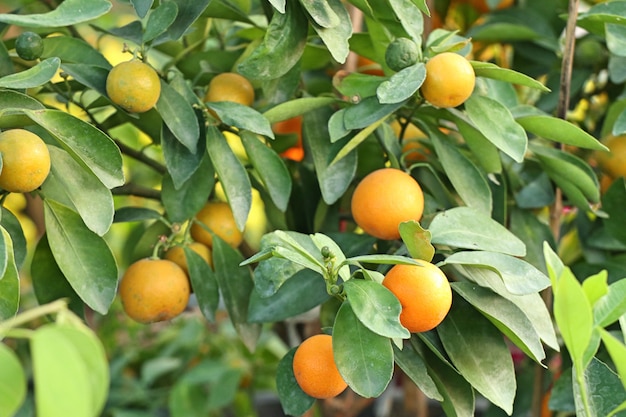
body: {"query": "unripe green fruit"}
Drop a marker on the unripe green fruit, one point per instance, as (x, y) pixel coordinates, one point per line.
(401, 53)
(29, 46)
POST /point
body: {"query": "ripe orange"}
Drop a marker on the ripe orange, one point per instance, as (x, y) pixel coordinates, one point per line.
(315, 369)
(134, 86)
(230, 86)
(291, 126)
(412, 148)
(25, 161)
(424, 293)
(217, 217)
(176, 254)
(368, 66)
(384, 199)
(613, 163)
(450, 80)
(154, 290)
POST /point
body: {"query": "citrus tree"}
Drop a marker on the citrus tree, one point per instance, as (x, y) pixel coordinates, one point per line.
(423, 190)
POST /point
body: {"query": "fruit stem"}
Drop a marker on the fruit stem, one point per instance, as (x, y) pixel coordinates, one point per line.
(50, 308)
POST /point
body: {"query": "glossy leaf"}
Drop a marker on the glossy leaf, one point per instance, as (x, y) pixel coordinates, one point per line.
(479, 352)
(604, 389)
(322, 13)
(188, 13)
(88, 75)
(179, 116)
(73, 50)
(281, 47)
(204, 283)
(294, 401)
(559, 130)
(519, 277)
(485, 152)
(505, 315)
(84, 257)
(10, 99)
(4, 252)
(376, 307)
(573, 316)
(414, 366)
(368, 111)
(411, 17)
(9, 282)
(333, 179)
(617, 350)
(596, 286)
(90, 147)
(242, 117)
(465, 227)
(288, 301)
(12, 382)
(402, 85)
(142, 7)
(68, 13)
(183, 203)
(235, 284)
(160, 20)
(69, 184)
(181, 163)
(467, 180)
(135, 214)
(493, 71)
(507, 134)
(337, 257)
(32, 77)
(417, 240)
(14, 228)
(364, 358)
(49, 283)
(296, 107)
(334, 27)
(612, 306)
(231, 174)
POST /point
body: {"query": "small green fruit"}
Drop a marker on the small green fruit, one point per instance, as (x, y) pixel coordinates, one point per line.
(401, 53)
(29, 46)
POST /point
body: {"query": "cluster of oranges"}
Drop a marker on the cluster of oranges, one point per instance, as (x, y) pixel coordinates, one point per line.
(154, 289)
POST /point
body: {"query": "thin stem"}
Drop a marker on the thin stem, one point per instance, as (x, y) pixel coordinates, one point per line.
(137, 190)
(25, 317)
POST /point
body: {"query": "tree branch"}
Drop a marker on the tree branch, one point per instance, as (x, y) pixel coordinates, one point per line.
(137, 190)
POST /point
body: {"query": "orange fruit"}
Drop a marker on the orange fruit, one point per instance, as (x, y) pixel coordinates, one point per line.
(412, 147)
(424, 293)
(230, 86)
(176, 254)
(368, 66)
(134, 86)
(25, 161)
(154, 290)
(315, 369)
(613, 162)
(384, 199)
(218, 218)
(292, 126)
(450, 80)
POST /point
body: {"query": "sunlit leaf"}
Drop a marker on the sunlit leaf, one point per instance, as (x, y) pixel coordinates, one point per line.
(9, 281)
(68, 13)
(32, 77)
(12, 382)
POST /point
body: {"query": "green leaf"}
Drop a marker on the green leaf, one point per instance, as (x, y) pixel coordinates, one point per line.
(376, 307)
(88, 75)
(322, 241)
(12, 382)
(180, 161)
(384, 259)
(364, 358)
(48, 280)
(13, 226)
(73, 50)
(90, 147)
(281, 47)
(479, 352)
(184, 202)
(333, 179)
(410, 16)
(236, 285)
(485, 152)
(604, 389)
(32, 77)
(367, 112)
(231, 174)
(142, 7)
(617, 351)
(288, 301)
(242, 117)
(505, 315)
(466, 227)
(519, 276)
(414, 366)
(559, 130)
(507, 134)
(490, 70)
(84, 257)
(204, 284)
(294, 401)
(69, 184)
(610, 307)
(188, 13)
(270, 168)
(160, 20)
(9, 281)
(595, 287)
(179, 116)
(417, 240)
(135, 214)
(334, 32)
(573, 316)
(68, 13)
(466, 178)
(296, 107)
(402, 85)
(14, 100)
(321, 12)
